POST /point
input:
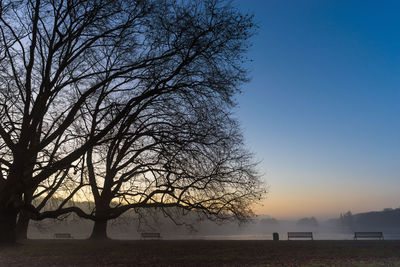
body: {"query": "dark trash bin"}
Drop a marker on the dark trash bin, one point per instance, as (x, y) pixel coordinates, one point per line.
(275, 236)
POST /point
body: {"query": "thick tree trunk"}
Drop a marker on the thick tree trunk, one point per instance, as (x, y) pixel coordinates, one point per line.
(99, 231)
(8, 221)
(22, 225)
(9, 201)
(11, 191)
(24, 218)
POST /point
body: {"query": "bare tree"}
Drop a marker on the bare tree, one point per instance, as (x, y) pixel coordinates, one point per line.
(178, 154)
(63, 61)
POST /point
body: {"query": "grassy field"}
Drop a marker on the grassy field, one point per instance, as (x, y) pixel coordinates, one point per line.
(201, 253)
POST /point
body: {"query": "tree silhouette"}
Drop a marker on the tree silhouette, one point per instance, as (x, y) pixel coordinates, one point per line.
(191, 158)
(72, 72)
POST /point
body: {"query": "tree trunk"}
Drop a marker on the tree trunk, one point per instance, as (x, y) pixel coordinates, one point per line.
(24, 218)
(11, 190)
(22, 225)
(99, 231)
(8, 221)
(102, 203)
(9, 201)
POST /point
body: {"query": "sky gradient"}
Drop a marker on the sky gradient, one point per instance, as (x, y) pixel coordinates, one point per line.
(322, 109)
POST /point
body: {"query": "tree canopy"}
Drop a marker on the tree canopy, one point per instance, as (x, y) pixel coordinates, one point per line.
(129, 98)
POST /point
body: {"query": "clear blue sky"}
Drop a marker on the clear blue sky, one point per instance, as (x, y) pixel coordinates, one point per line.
(322, 109)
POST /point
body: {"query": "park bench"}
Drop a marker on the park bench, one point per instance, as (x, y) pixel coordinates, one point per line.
(150, 236)
(300, 235)
(358, 235)
(62, 236)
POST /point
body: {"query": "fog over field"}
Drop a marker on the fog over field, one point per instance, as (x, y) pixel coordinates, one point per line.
(261, 227)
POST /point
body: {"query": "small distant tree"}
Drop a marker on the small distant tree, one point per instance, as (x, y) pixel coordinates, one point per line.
(308, 221)
(347, 220)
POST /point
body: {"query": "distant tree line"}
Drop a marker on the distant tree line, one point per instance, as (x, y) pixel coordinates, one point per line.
(374, 220)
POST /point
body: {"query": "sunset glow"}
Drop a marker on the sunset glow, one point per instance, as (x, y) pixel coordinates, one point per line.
(322, 109)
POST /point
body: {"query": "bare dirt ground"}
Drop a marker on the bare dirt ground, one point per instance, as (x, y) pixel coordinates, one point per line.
(201, 253)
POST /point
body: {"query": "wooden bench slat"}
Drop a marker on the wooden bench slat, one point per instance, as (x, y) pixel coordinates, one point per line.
(62, 235)
(368, 235)
(300, 235)
(150, 235)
